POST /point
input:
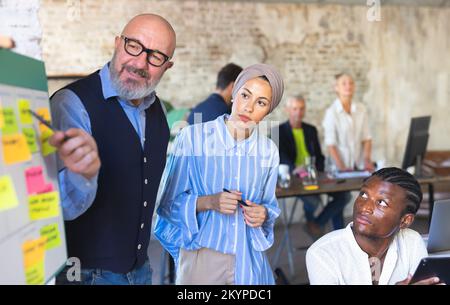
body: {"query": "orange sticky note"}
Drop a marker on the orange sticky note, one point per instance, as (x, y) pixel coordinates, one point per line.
(34, 259)
(45, 114)
(34, 251)
(15, 149)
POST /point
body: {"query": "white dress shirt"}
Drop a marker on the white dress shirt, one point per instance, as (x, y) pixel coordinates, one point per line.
(337, 259)
(347, 131)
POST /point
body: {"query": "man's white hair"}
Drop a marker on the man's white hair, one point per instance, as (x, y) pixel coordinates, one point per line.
(297, 97)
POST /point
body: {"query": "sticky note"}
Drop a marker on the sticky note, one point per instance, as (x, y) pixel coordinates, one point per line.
(43, 205)
(2, 120)
(9, 121)
(46, 189)
(15, 149)
(8, 196)
(24, 114)
(34, 177)
(30, 136)
(35, 275)
(33, 259)
(52, 233)
(46, 148)
(45, 114)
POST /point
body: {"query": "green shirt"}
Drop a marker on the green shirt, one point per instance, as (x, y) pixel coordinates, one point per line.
(302, 151)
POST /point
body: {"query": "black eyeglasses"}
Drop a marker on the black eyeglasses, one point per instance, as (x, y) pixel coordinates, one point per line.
(135, 48)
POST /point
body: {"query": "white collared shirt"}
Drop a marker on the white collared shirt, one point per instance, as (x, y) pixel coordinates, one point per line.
(337, 259)
(347, 131)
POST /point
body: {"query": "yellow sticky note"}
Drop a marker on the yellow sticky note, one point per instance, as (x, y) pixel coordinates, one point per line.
(43, 205)
(9, 121)
(2, 120)
(15, 149)
(8, 196)
(45, 114)
(52, 233)
(24, 113)
(47, 149)
(35, 275)
(33, 260)
(30, 136)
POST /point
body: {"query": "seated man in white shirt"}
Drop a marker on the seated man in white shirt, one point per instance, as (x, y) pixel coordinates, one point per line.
(377, 247)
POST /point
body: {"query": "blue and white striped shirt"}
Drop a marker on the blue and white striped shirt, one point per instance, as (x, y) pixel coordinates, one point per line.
(206, 159)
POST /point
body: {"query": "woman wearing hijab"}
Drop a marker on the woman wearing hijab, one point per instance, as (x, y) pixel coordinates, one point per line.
(218, 206)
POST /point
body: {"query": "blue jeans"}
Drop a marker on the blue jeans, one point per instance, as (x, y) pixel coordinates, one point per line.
(310, 204)
(138, 276)
(334, 210)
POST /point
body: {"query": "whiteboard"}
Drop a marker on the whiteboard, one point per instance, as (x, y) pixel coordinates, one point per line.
(32, 237)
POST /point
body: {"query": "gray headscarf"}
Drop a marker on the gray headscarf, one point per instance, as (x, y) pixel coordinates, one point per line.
(274, 77)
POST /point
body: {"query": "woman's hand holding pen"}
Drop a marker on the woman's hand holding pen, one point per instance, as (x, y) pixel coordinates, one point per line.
(78, 150)
(254, 214)
(224, 202)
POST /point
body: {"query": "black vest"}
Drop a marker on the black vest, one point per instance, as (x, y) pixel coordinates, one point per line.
(114, 233)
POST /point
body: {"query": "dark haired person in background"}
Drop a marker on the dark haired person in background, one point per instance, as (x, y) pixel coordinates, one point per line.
(377, 247)
(219, 102)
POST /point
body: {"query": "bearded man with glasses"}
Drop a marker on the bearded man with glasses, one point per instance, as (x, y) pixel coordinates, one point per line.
(112, 148)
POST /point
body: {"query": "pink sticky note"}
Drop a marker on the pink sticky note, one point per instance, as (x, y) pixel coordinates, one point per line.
(46, 189)
(35, 180)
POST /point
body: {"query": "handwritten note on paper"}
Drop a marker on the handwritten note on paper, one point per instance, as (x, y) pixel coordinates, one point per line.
(15, 149)
(8, 196)
(34, 177)
(47, 149)
(24, 114)
(30, 135)
(33, 259)
(9, 121)
(52, 233)
(44, 113)
(43, 205)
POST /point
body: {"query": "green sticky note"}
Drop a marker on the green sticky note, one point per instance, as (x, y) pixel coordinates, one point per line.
(47, 149)
(8, 196)
(24, 113)
(35, 275)
(30, 135)
(52, 233)
(9, 121)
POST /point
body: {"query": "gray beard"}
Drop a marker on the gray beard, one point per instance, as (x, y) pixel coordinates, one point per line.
(129, 90)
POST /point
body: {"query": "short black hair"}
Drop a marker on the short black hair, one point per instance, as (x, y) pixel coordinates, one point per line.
(227, 75)
(407, 182)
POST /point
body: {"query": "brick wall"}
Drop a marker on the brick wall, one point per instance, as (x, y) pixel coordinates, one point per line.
(400, 63)
(19, 19)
